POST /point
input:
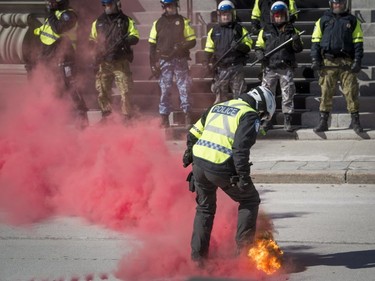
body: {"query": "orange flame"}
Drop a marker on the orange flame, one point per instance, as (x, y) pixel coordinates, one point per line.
(266, 254)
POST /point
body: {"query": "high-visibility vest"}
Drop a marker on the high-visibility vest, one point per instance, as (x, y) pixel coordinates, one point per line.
(47, 36)
(215, 138)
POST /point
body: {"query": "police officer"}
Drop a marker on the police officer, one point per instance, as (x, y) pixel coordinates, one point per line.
(113, 33)
(280, 65)
(58, 38)
(219, 145)
(337, 51)
(227, 47)
(171, 38)
(260, 14)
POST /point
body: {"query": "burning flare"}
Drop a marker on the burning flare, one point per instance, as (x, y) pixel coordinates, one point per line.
(266, 253)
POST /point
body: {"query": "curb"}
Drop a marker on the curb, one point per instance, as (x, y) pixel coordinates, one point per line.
(314, 177)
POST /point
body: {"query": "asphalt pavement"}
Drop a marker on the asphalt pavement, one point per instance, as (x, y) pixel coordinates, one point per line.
(325, 231)
(319, 194)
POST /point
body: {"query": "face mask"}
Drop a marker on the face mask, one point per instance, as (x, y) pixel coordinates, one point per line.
(110, 9)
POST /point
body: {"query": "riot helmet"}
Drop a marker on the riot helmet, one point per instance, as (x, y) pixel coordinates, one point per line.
(338, 6)
(226, 12)
(263, 100)
(279, 13)
(170, 6)
(54, 5)
(111, 6)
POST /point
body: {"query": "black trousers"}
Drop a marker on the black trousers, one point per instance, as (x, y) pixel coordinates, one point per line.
(206, 184)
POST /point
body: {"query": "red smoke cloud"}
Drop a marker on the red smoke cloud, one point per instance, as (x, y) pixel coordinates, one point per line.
(122, 177)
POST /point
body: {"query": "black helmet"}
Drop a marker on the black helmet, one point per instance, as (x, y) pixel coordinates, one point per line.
(168, 2)
(113, 9)
(338, 9)
(57, 4)
(262, 99)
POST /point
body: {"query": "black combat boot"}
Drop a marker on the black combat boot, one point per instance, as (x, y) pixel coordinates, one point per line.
(323, 123)
(288, 122)
(164, 121)
(266, 125)
(355, 125)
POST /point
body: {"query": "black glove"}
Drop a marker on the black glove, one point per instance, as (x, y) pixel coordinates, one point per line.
(178, 47)
(254, 27)
(356, 66)
(187, 159)
(296, 37)
(245, 183)
(243, 48)
(155, 71)
(316, 64)
(207, 69)
(292, 18)
(259, 54)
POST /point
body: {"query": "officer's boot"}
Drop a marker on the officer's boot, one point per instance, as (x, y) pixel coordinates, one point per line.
(323, 122)
(188, 120)
(164, 121)
(355, 125)
(288, 122)
(82, 121)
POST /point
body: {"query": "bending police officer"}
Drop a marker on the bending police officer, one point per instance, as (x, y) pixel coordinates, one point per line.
(113, 33)
(219, 145)
(171, 38)
(337, 52)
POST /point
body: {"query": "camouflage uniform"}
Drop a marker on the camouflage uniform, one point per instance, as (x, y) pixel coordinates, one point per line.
(337, 51)
(113, 36)
(229, 75)
(171, 38)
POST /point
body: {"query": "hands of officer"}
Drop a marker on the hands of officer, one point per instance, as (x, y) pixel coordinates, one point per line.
(187, 159)
(245, 183)
(296, 37)
(316, 65)
(155, 70)
(207, 69)
(254, 27)
(356, 66)
(292, 18)
(259, 54)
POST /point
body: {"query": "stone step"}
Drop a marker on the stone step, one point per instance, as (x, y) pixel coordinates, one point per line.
(310, 119)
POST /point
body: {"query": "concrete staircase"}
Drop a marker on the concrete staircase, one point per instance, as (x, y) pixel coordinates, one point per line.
(146, 91)
(308, 90)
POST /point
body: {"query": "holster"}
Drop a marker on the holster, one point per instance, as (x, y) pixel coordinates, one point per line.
(191, 180)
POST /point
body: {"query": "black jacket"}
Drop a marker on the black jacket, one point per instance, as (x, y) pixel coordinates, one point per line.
(274, 37)
(111, 28)
(337, 37)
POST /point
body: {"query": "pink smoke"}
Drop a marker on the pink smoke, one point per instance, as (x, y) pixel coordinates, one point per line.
(122, 177)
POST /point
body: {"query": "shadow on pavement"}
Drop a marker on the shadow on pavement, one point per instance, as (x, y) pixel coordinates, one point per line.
(299, 262)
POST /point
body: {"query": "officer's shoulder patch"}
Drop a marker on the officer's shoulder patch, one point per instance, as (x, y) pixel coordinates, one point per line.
(257, 125)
